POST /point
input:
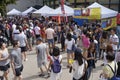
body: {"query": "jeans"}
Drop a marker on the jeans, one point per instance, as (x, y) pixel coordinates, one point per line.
(89, 70)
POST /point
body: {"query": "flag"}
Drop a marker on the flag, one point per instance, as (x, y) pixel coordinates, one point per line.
(59, 20)
(62, 6)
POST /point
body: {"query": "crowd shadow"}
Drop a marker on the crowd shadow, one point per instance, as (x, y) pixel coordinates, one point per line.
(33, 77)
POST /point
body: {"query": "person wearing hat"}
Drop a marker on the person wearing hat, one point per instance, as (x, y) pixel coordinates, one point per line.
(42, 53)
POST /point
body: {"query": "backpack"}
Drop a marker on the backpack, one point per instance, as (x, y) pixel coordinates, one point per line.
(56, 66)
(28, 34)
(114, 72)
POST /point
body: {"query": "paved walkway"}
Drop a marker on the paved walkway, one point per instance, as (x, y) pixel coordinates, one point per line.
(31, 71)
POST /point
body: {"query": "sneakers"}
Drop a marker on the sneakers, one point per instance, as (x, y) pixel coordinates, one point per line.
(26, 59)
(41, 75)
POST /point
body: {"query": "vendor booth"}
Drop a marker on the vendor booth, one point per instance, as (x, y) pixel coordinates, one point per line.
(98, 12)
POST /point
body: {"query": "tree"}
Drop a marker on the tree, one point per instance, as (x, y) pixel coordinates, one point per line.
(3, 5)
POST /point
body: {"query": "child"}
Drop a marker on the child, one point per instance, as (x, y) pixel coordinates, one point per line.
(56, 59)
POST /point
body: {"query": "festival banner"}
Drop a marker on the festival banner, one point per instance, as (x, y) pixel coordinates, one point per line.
(109, 23)
(95, 13)
(85, 13)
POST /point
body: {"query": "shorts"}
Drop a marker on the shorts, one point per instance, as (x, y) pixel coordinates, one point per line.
(41, 63)
(18, 71)
(50, 41)
(23, 49)
(5, 68)
(37, 36)
(69, 51)
(29, 41)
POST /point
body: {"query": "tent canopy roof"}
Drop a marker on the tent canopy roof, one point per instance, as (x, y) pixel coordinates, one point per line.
(105, 12)
(68, 11)
(44, 10)
(31, 9)
(14, 12)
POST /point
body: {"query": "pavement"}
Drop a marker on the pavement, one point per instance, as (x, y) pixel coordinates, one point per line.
(31, 70)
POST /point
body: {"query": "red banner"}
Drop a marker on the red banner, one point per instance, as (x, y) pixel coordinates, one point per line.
(118, 18)
(62, 6)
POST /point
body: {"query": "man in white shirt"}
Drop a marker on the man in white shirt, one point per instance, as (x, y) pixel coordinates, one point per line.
(114, 40)
(50, 35)
(37, 30)
(23, 44)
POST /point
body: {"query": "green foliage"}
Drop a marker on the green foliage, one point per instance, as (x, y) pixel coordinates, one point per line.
(3, 4)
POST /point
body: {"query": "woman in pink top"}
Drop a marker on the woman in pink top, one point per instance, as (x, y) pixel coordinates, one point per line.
(85, 41)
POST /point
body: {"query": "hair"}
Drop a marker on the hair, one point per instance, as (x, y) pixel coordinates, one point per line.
(110, 56)
(114, 29)
(56, 51)
(15, 43)
(69, 36)
(1, 43)
(78, 56)
(109, 48)
(104, 34)
(90, 47)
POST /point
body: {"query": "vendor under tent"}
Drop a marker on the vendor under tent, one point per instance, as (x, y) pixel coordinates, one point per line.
(44, 11)
(97, 12)
(105, 12)
(30, 10)
(13, 12)
(57, 12)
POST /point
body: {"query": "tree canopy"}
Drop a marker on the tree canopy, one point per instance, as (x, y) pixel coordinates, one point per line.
(3, 4)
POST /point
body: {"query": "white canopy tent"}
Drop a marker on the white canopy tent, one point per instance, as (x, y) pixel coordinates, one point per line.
(30, 10)
(105, 12)
(44, 11)
(68, 11)
(14, 12)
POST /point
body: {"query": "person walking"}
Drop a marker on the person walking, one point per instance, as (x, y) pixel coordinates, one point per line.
(23, 43)
(42, 54)
(79, 66)
(55, 64)
(50, 36)
(16, 61)
(69, 42)
(4, 61)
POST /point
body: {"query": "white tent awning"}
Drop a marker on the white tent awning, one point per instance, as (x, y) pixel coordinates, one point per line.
(14, 12)
(45, 10)
(31, 9)
(105, 12)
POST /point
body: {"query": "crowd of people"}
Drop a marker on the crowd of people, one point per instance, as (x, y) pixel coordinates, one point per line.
(84, 45)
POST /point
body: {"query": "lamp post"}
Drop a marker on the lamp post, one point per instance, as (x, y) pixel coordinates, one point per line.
(54, 3)
(85, 3)
(75, 1)
(109, 3)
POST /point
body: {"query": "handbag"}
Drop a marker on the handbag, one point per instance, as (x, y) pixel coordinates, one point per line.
(114, 77)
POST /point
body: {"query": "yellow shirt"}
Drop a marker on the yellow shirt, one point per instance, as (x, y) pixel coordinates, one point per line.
(107, 70)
